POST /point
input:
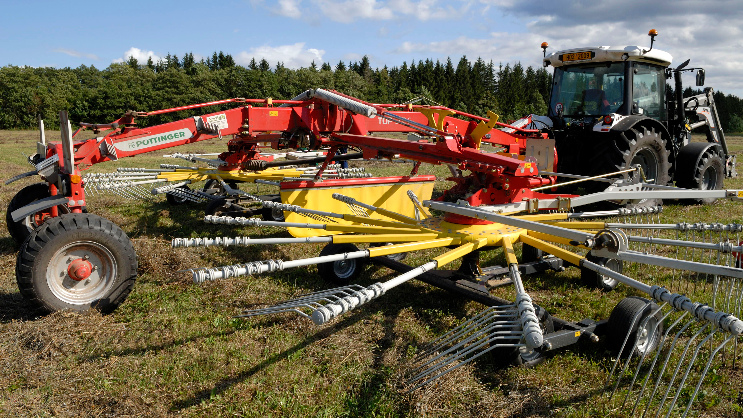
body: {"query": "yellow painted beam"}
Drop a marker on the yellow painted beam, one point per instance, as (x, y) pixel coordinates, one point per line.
(412, 246)
(566, 255)
(508, 250)
(358, 239)
(460, 251)
(362, 229)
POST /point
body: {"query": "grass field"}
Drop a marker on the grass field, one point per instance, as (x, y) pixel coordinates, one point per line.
(173, 347)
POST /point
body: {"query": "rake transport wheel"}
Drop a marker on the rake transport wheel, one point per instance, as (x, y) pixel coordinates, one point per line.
(22, 229)
(273, 214)
(77, 261)
(631, 321)
(529, 253)
(215, 188)
(596, 280)
(341, 272)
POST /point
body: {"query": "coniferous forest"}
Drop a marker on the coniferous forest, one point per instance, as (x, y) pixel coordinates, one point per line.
(100, 96)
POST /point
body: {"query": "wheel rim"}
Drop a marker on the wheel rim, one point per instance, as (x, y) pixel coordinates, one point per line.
(606, 281)
(81, 272)
(277, 214)
(33, 221)
(344, 269)
(646, 335)
(648, 161)
(709, 179)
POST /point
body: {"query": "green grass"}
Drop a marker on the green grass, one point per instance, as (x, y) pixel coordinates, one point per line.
(174, 348)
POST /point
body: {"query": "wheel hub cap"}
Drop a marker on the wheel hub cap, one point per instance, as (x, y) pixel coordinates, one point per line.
(79, 269)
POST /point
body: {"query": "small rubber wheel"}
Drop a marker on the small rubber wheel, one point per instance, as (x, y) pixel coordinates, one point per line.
(393, 257)
(273, 214)
(215, 188)
(530, 253)
(595, 280)
(20, 230)
(175, 199)
(77, 261)
(341, 272)
(631, 320)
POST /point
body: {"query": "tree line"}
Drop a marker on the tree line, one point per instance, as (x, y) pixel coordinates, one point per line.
(100, 96)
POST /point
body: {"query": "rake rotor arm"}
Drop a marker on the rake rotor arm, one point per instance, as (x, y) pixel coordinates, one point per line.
(723, 320)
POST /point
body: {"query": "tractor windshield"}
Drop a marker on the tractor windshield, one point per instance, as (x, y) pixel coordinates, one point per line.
(588, 90)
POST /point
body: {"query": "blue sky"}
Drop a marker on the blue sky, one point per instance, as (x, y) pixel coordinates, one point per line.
(296, 32)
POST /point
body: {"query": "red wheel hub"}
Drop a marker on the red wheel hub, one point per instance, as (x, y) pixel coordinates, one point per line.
(79, 269)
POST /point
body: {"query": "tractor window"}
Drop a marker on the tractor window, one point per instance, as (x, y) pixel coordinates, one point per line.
(588, 90)
(648, 89)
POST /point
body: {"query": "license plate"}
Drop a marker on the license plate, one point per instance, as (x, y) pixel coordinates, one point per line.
(576, 56)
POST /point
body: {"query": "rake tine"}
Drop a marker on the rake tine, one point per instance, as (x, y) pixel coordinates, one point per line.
(678, 366)
(475, 320)
(473, 331)
(621, 350)
(704, 372)
(665, 362)
(492, 333)
(682, 382)
(644, 353)
(663, 341)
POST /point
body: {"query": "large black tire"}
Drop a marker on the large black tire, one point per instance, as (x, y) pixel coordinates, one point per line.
(596, 280)
(606, 153)
(77, 261)
(341, 272)
(703, 172)
(628, 318)
(20, 230)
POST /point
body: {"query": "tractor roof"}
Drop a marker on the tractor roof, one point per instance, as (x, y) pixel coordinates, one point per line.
(607, 54)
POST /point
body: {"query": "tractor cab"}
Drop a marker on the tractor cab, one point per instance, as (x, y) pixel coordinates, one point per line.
(597, 82)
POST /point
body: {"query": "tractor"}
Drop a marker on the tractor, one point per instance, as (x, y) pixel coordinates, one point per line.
(611, 109)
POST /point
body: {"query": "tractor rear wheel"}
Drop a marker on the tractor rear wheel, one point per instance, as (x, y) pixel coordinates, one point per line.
(76, 262)
(22, 229)
(637, 146)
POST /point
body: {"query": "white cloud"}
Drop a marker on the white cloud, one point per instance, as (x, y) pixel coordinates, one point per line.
(351, 10)
(140, 55)
(76, 54)
(292, 56)
(289, 8)
(348, 11)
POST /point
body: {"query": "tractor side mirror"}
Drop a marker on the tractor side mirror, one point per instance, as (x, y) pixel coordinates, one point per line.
(700, 77)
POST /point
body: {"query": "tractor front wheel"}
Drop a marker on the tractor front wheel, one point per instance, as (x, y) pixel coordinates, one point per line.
(703, 172)
(76, 262)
